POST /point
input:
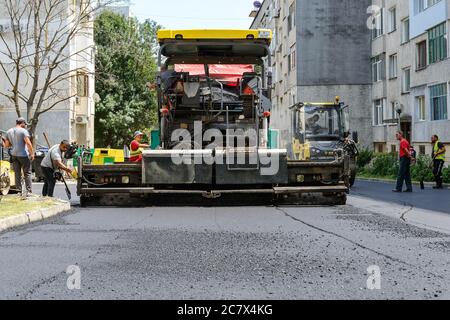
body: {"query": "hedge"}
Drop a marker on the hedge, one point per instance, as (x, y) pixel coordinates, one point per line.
(386, 165)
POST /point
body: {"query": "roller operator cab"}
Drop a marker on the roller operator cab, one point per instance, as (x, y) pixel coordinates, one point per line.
(214, 120)
(320, 139)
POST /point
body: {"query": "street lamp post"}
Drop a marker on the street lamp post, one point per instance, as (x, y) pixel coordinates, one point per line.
(399, 110)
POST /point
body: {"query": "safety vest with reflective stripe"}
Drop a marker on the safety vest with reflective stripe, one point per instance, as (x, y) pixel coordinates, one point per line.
(436, 150)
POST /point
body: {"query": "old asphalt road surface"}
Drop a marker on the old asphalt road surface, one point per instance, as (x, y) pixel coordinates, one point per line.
(231, 253)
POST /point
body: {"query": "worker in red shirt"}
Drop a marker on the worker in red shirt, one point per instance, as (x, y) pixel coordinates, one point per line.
(404, 174)
(136, 147)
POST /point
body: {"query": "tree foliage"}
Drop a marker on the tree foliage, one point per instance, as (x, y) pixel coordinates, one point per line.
(125, 62)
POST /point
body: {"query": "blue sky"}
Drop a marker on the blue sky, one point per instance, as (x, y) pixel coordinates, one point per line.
(194, 14)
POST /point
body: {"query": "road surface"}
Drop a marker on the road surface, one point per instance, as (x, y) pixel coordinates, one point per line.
(235, 253)
(429, 199)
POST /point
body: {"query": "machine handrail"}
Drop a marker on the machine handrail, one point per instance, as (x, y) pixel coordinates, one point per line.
(258, 138)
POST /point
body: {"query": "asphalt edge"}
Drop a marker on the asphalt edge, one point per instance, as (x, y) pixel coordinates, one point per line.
(422, 218)
(34, 216)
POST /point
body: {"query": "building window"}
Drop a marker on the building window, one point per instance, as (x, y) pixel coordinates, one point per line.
(291, 17)
(421, 109)
(378, 25)
(379, 147)
(377, 69)
(437, 38)
(378, 112)
(293, 58)
(393, 148)
(280, 72)
(421, 55)
(82, 84)
(405, 30)
(422, 5)
(392, 20)
(438, 96)
(422, 150)
(393, 66)
(406, 82)
(289, 60)
(394, 114)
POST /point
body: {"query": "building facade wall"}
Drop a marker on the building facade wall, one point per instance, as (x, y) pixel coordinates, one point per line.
(418, 124)
(332, 50)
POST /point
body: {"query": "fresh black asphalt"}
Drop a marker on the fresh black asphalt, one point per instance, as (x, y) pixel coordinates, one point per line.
(251, 252)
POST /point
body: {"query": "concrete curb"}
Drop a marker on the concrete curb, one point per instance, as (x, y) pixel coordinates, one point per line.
(34, 216)
(428, 184)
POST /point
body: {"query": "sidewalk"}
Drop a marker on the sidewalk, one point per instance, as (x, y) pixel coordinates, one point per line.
(16, 212)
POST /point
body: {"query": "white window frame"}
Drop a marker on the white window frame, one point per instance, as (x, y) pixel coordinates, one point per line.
(378, 29)
(406, 31)
(377, 69)
(394, 114)
(421, 108)
(392, 19)
(378, 112)
(406, 86)
(393, 66)
(418, 67)
(293, 57)
(291, 17)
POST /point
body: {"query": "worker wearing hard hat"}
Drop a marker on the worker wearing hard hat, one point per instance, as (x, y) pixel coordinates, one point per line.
(137, 147)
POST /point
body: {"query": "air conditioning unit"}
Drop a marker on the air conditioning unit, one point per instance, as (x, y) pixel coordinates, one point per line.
(81, 119)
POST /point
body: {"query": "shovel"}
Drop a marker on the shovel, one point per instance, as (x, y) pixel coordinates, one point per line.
(69, 194)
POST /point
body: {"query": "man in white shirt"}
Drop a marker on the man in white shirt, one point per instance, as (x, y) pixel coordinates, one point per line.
(53, 162)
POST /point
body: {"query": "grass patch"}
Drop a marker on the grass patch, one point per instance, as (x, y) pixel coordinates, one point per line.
(385, 178)
(372, 176)
(13, 205)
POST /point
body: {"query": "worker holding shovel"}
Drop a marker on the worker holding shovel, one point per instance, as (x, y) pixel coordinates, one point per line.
(51, 164)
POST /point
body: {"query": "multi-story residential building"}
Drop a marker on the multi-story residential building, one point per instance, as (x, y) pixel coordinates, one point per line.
(410, 72)
(320, 50)
(73, 118)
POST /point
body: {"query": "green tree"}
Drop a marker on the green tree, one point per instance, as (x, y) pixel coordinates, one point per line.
(125, 62)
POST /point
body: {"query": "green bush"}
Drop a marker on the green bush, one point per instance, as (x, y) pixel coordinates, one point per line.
(385, 165)
(364, 158)
(446, 175)
(422, 169)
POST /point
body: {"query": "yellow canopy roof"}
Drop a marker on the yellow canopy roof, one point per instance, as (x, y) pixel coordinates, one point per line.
(217, 46)
(215, 34)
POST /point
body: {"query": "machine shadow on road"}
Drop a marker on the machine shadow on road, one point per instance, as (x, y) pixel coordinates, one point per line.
(224, 200)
